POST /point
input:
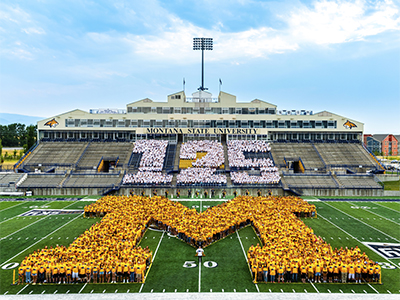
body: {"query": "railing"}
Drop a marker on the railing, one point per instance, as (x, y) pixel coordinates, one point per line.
(373, 156)
(202, 100)
(83, 153)
(18, 164)
(319, 155)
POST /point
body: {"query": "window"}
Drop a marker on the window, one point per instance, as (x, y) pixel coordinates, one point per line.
(177, 110)
(238, 111)
(158, 123)
(225, 110)
(269, 124)
(146, 123)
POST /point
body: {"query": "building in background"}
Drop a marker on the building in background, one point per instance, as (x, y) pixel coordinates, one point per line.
(382, 144)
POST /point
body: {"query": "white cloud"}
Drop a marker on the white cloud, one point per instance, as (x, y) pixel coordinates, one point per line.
(337, 21)
(326, 22)
(33, 30)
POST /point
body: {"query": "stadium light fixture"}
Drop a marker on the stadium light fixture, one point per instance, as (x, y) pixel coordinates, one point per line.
(202, 44)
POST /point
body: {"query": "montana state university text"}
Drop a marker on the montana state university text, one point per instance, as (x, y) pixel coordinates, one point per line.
(201, 131)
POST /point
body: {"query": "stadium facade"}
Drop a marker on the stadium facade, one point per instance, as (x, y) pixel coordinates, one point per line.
(201, 116)
(95, 152)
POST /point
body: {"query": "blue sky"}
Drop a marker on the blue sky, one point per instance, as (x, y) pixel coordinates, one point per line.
(340, 56)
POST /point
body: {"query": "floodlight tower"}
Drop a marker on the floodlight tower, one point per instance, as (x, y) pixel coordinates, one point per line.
(202, 44)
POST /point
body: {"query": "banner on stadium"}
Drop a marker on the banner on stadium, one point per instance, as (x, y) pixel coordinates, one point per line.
(161, 130)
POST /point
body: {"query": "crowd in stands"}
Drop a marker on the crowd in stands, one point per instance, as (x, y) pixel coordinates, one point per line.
(236, 158)
(108, 250)
(271, 177)
(151, 163)
(147, 178)
(153, 154)
(214, 157)
(199, 175)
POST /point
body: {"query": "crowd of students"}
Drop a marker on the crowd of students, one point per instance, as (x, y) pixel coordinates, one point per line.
(153, 154)
(292, 252)
(109, 251)
(267, 177)
(236, 158)
(199, 175)
(144, 177)
(214, 157)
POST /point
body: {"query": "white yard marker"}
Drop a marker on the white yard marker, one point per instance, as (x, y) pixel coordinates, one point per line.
(55, 292)
(91, 291)
(270, 291)
(210, 290)
(234, 290)
(22, 289)
(43, 292)
(39, 240)
(305, 291)
(163, 290)
(341, 291)
(365, 291)
(199, 290)
(389, 291)
(353, 291)
(82, 288)
(127, 291)
(373, 288)
(30, 292)
(5, 293)
(116, 291)
(187, 291)
(329, 291)
(293, 291)
(67, 292)
(281, 291)
(314, 287)
(175, 290)
(104, 291)
(246, 291)
(245, 257)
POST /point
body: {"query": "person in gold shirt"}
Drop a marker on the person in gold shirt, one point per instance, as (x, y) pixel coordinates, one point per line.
(377, 272)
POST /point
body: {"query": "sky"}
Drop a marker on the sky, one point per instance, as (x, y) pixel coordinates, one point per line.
(334, 55)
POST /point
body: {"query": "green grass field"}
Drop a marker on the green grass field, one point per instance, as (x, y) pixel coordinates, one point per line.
(175, 267)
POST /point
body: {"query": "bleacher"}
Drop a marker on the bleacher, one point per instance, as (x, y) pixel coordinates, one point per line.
(96, 150)
(42, 181)
(8, 179)
(92, 181)
(305, 151)
(55, 154)
(358, 181)
(310, 181)
(345, 154)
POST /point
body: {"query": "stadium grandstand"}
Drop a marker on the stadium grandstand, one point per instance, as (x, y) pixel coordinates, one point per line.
(201, 143)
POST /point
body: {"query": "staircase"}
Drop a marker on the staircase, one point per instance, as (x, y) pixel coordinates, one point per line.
(177, 151)
(226, 163)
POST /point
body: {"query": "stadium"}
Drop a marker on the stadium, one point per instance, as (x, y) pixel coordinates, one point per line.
(194, 196)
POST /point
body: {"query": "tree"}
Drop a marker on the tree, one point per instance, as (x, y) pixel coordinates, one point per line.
(1, 152)
(31, 135)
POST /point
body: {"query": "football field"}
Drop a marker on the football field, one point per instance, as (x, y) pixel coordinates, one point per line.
(28, 225)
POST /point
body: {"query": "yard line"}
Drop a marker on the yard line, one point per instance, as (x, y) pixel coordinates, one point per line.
(386, 207)
(245, 257)
(154, 257)
(82, 288)
(378, 215)
(22, 289)
(319, 214)
(362, 222)
(12, 206)
(24, 228)
(40, 240)
(373, 288)
(201, 205)
(199, 277)
(314, 287)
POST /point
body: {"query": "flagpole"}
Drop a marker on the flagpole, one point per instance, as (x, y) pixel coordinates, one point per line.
(184, 83)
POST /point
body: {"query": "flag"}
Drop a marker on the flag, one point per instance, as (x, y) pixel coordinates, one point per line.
(184, 81)
(220, 81)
